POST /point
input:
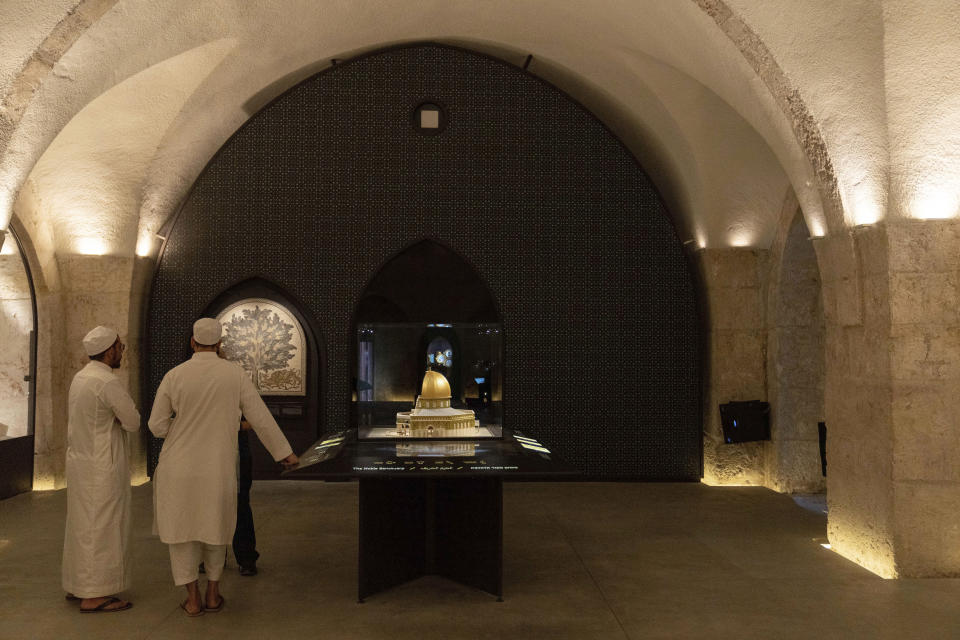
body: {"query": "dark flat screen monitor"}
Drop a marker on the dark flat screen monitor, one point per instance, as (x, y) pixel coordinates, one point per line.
(747, 421)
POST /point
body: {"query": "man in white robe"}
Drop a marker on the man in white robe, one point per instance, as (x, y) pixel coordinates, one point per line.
(197, 410)
(96, 553)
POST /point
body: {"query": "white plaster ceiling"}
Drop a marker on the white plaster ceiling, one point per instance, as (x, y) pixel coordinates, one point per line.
(833, 51)
(923, 106)
(89, 180)
(661, 73)
(24, 24)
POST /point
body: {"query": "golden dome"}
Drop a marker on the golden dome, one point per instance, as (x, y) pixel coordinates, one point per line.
(435, 386)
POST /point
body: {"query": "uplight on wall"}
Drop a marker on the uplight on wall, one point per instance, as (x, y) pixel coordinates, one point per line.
(148, 244)
(739, 237)
(700, 239)
(865, 209)
(46, 483)
(7, 247)
(91, 246)
(935, 203)
(716, 482)
(816, 226)
(6, 206)
(868, 558)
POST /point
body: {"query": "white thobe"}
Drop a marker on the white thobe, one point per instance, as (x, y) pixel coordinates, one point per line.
(96, 554)
(197, 410)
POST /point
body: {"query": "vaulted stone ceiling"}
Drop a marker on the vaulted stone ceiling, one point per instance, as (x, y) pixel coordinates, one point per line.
(727, 104)
(127, 115)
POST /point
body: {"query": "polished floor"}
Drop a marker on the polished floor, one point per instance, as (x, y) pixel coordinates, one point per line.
(581, 560)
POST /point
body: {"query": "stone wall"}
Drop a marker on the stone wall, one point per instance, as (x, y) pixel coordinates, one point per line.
(924, 347)
(74, 294)
(98, 290)
(764, 336)
(857, 399)
(795, 365)
(730, 281)
(892, 404)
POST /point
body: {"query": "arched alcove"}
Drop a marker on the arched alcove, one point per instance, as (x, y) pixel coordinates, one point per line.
(426, 282)
(430, 285)
(329, 182)
(796, 375)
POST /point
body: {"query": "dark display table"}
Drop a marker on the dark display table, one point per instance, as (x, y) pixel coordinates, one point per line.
(431, 507)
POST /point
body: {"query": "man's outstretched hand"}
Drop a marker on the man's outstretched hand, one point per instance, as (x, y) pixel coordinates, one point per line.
(290, 461)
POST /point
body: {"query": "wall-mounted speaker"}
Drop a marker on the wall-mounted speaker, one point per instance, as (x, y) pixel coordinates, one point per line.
(745, 421)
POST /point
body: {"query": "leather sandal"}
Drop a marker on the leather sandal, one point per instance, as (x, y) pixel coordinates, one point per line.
(102, 607)
(183, 605)
(216, 608)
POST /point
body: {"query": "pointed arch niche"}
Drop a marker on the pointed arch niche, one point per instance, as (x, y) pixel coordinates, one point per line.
(413, 315)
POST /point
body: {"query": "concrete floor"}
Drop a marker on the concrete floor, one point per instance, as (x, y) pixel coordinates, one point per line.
(581, 560)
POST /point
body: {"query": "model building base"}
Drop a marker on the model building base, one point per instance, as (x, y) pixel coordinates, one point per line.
(485, 432)
(428, 449)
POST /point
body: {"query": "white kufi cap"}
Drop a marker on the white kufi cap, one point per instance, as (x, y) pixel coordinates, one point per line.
(206, 331)
(99, 340)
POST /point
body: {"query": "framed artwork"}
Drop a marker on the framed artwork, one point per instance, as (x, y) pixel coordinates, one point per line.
(267, 341)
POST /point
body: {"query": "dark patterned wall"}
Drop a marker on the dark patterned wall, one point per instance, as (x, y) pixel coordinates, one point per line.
(328, 182)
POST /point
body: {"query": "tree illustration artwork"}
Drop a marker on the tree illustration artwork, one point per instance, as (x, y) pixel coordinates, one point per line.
(260, 341)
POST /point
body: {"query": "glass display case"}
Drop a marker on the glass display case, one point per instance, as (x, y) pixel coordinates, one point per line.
(428, 381)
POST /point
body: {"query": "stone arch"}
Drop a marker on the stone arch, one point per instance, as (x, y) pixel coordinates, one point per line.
(85, 14)
(788, 99)
(40, 64)
(406, 280)
(18, 371)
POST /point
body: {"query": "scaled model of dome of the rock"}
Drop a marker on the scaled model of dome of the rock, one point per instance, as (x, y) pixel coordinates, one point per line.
(433, 417)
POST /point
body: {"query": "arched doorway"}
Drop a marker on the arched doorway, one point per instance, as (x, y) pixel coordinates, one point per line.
(18, 313)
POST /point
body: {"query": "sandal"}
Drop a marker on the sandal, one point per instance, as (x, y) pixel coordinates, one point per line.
(183, 605)
(102, 607)
(216, 608)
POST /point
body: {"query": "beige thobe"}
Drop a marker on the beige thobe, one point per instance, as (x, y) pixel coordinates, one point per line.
(197, 410)
(96, 554)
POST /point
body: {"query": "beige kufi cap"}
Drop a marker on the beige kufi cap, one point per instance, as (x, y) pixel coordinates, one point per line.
(206, 331)
(99, 340)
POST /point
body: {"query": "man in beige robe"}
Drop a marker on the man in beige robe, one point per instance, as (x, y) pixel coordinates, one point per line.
(96, 553)
(197, 410)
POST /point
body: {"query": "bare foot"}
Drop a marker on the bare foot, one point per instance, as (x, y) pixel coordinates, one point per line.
(193, 605)
(192, 608)
(213, 600)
